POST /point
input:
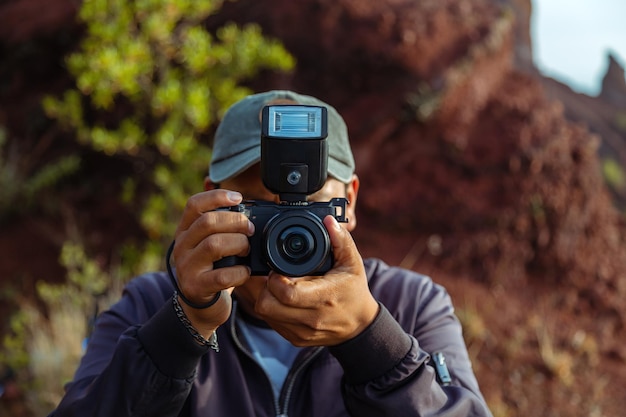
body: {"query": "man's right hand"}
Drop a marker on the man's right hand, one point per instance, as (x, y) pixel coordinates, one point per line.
(204, 236)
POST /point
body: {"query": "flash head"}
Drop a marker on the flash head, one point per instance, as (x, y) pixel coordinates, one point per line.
(290, 236)
(294, 152)
(296, 122)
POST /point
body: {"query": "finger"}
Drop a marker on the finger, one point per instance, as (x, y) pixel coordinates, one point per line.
(302, 326)
(346, 255)
(208, 283)
(302, 292)
(209, 250)
(207, 201)
(214, 222)
(299, 334)
(295, 303)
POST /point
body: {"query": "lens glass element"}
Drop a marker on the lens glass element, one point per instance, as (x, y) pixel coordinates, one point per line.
(296, 244)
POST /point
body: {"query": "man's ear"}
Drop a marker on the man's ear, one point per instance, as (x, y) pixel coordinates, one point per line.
(352, 191)
(209, 185)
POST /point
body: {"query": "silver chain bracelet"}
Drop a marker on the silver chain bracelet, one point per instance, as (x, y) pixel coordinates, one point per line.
(211, 342)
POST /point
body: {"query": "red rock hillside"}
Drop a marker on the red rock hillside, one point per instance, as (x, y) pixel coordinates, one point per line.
(473, 169)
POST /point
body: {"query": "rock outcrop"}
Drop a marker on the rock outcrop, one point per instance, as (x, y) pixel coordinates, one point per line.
(451, 138)
(605, 116)
(614, 84)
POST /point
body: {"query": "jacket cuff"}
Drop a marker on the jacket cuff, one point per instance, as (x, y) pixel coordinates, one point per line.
(169, 344)
(375, 351)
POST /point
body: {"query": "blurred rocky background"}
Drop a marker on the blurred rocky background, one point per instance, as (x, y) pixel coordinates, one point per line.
(505, 186)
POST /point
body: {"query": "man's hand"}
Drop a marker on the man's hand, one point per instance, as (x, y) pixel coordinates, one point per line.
(202, 237)
(321, 311)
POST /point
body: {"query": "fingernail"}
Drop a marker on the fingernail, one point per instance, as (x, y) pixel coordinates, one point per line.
(251, 228)
(234, 196)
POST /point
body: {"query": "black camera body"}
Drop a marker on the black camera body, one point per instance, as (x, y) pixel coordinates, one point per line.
(290, 237)
(291, 240)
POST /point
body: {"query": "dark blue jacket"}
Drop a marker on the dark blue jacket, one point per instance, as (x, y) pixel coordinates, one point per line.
(141, 361)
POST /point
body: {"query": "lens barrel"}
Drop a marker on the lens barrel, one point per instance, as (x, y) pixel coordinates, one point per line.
(296, 243)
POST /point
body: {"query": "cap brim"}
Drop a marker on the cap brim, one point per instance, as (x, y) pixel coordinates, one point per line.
(340, 170)
(234, 165)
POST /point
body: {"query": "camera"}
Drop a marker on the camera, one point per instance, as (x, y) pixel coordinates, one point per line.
(290, 237)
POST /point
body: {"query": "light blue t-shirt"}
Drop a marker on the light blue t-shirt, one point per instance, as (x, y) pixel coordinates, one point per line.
(273, 352)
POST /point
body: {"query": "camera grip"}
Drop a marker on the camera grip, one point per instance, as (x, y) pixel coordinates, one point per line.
(228, 261)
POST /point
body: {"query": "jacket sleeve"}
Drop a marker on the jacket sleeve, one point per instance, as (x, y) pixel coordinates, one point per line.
(140, 360)
(388, 370)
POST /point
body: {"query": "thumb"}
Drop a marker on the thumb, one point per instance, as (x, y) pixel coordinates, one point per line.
(344, 249)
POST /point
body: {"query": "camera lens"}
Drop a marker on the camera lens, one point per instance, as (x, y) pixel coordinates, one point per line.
(296, 243)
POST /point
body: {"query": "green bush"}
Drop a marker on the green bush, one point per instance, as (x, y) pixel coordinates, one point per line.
(153, 63)
(613, 174)
(150, 83)
(44, 347)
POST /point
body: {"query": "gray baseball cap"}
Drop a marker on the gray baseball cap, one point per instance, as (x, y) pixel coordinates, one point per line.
(237, 141)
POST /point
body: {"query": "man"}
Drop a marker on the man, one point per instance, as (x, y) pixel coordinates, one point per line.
(357, 341)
